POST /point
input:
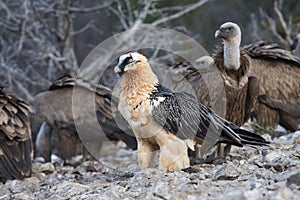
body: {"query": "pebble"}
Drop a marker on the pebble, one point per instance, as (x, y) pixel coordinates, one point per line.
(47, 168)
(273, 155)
(284, 193)
(252, 194)
(226, 172)
(294, 178)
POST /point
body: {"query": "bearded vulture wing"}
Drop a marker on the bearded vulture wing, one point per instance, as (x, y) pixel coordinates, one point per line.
(187, 118)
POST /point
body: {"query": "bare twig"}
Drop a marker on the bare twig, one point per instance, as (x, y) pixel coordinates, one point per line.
(281, 26)
(24, 90)
(92, 9)
(270, 23)
(188, 9)
(255, 27)
(142, 15)
(286, 28)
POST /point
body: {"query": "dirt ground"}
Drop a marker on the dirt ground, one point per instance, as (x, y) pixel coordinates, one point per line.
(269, 172)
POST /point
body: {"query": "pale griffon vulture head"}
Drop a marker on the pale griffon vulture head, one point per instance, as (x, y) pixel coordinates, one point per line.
(229, 31)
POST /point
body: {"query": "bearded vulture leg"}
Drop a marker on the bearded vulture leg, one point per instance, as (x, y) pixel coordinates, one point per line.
(173, 152)
(146, 155)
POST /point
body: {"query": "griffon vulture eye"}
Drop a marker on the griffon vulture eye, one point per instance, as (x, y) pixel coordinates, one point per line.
(229, 29)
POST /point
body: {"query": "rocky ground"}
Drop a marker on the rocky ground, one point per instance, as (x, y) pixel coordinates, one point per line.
(271, 172)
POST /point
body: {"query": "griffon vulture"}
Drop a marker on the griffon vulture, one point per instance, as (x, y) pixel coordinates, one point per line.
(15, 137)
(169, 121)
(230, 92)
(55, 106)
(277, 70)
(203, 61)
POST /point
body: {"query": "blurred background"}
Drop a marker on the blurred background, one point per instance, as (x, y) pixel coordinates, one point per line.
(41, 40)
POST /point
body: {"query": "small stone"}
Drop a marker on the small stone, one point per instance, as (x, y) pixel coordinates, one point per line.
(264, 152)
(294, 179)
(15, 186)
(4, 193)
(272, 155)
(226, 172)
(252, 194)
(289, 147)
(23, 195)
(297, 140)
(69, 189)
(296, 137)
(272, 187)
(258, 163)
(284, 193)
(128, 198)
(195, 176)
(47, 168)
(123, 153)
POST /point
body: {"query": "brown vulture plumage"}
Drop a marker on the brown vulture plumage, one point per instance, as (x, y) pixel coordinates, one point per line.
(277, 70)
(247, 72)
(15, 138)
(287, 107)
(55, 106)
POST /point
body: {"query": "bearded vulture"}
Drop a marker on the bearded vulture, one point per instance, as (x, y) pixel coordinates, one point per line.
(55, 106)
(277, 70)
(15, 138)
(169, 121)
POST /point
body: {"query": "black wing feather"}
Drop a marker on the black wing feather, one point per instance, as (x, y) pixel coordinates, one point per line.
(187, 118)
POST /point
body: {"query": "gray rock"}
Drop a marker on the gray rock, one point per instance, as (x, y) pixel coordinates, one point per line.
(19, 186)
(124, 153)
(296, 137)
(47, 168)
(276, 154)
(23, 195)
(198, 176)
(294, 178)
(226, 172)
(284, 193)
(276, 160)
(4, 193)
(68, 190)
(90, 197)
(252, 194)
